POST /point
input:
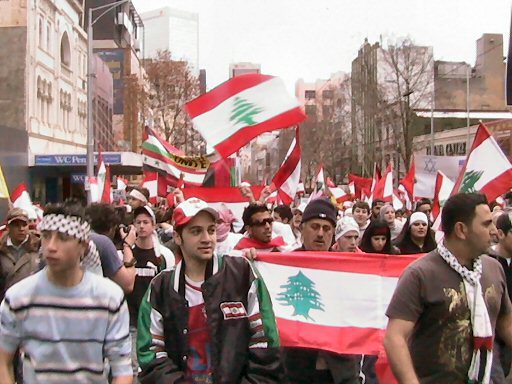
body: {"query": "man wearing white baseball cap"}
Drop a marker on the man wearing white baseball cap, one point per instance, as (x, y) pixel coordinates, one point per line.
(347, 235)
(210, 318)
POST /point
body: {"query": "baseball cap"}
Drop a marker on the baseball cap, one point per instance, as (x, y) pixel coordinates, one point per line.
(188, 209)
(320, 209)
(503, 222)
(344, 226)
(17, 214)
(146, 210)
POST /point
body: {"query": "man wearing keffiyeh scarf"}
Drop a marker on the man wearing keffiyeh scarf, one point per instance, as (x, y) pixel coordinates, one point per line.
(449, 304)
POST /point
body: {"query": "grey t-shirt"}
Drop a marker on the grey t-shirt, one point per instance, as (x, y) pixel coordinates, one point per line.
(432, 295)
(110, 261)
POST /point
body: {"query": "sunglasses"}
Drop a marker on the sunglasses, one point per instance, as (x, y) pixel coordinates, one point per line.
(263, 222)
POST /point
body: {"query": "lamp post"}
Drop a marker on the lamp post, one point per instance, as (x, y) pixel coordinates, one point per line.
(90, 88)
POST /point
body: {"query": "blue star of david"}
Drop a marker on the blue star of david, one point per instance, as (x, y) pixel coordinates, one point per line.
(430, 165)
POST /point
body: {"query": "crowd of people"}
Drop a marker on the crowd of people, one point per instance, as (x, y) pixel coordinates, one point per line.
(169, 294)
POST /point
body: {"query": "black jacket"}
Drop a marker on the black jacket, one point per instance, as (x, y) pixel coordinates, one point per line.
(245, 348)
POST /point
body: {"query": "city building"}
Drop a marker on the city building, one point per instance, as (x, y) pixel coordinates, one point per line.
(174, 30)
(243, 68)
(388, 85)
(326, 135)
(447, 95)
(117, 37)
(103, 104)
(43, 97)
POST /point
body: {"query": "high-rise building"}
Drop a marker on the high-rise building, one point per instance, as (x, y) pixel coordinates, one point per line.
(117, 40)
(326, 134)
(388, 85)
(174, 30)
(237, 69)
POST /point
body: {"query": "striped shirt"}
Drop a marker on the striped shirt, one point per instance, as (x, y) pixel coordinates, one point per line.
(66, 333)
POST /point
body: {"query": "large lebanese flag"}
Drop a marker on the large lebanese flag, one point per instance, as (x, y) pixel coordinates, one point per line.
(332, 301)
(487, 169)
(287, 178)
(442, 191)
(235, 112)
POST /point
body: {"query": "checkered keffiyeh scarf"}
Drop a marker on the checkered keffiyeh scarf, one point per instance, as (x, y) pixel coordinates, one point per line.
(79, 229)
(482, 329)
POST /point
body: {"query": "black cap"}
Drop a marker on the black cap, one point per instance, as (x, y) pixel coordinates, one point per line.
(503, 222)
(320, 209)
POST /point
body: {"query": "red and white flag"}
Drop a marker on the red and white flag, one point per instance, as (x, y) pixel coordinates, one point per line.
(101, 179)
(408, 181)
(332, 301)
(287, 178)
(376, 177)
(444, 187)
(384, 187)
(235, 112)
(150, 182)
(170, 162)
(121, 183)
(487, 169)
(106, 195)
(300, 189)
(319, 189)
(20, 197)
(352, 189)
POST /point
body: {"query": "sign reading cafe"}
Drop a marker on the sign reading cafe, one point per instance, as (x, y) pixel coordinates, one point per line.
(450, 149)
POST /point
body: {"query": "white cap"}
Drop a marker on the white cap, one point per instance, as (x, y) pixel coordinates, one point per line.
(344, 226)
(418, 216)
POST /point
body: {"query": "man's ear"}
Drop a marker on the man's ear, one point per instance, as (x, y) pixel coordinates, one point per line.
(501, 234)
(461, 230)
(177, 238)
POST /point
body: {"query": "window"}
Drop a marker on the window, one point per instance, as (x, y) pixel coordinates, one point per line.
(65, 50)
(311, 110)
(327, 94)
(44, 100)
(49, 37)
(40, 34)
(310, 94)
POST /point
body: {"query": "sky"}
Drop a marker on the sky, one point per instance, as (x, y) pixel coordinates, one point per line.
(311, 39)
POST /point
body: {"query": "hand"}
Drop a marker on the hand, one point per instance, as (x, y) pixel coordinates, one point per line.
(129, 236)
(250, 254)
(247, 192)
(178, 196)
(265, 193)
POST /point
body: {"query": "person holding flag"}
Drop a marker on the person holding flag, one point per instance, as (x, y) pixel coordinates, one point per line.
(311, 366)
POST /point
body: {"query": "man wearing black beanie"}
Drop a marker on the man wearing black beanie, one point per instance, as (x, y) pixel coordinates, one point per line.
(310, 366)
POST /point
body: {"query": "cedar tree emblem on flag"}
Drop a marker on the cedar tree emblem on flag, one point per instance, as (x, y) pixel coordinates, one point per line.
(300, 293)
(232, 114)
(469, 181)
(244, 112)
